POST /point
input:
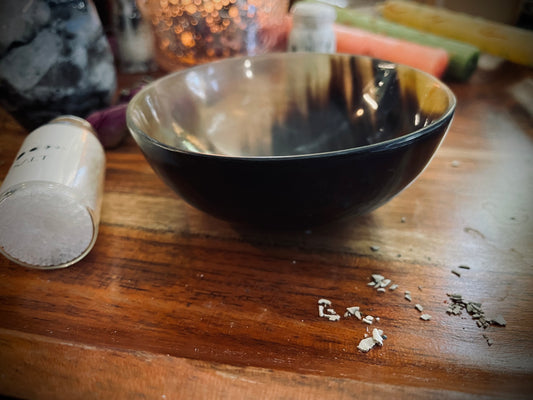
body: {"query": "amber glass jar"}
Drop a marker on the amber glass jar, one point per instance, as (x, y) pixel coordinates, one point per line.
(190, 32)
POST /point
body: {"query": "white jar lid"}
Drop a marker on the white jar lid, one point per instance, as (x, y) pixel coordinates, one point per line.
(44, 225)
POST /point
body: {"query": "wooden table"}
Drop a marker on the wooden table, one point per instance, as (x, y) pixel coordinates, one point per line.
(174, 304)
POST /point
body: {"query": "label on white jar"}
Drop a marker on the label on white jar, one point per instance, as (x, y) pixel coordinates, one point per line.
(59, 153)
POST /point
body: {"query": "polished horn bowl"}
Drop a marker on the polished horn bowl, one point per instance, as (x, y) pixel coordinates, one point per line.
(291, 139)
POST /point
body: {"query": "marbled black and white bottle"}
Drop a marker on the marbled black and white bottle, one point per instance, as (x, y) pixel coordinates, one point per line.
(54, 60)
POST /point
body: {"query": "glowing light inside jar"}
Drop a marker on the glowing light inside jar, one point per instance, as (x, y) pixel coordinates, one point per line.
(190, 32)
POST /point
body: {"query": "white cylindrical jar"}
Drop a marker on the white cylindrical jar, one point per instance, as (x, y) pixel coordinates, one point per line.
(51, 197)
(312, 28)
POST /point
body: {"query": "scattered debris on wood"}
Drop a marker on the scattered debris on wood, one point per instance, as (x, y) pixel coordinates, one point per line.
(376, 335)
(325, 310)
(379, 282)
(353, 311)
(368, 343)
(474, 309)
(499, 320)
(490, 342)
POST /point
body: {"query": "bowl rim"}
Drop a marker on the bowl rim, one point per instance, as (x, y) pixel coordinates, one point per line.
(370, 148)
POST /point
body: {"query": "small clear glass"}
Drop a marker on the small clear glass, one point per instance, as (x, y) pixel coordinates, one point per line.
(312, 28)
(134, 39)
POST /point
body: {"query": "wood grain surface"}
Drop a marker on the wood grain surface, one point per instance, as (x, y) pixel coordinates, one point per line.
(174, 304)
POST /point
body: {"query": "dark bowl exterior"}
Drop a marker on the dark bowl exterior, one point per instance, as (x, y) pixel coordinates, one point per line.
(294, 192)
(384, 144)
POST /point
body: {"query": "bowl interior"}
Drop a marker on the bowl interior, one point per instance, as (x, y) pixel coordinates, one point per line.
(288, 104)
